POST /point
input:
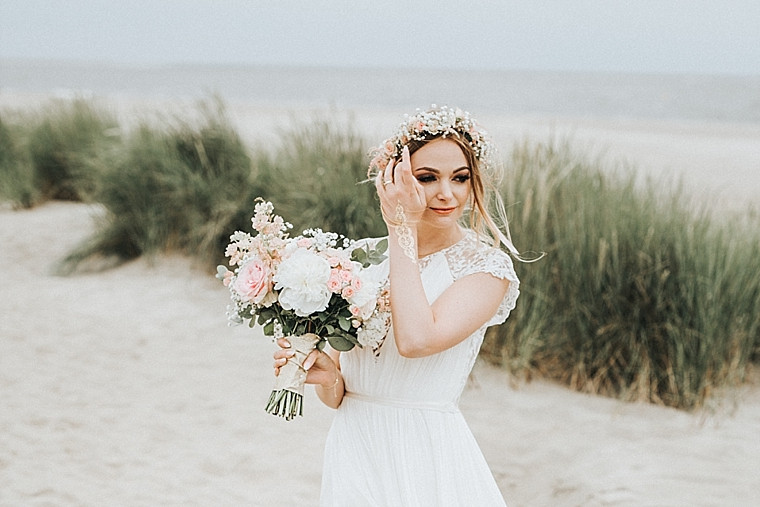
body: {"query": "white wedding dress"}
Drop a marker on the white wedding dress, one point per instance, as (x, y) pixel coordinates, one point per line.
(398, 438)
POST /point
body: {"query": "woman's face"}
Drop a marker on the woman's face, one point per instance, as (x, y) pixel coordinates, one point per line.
(442, 170)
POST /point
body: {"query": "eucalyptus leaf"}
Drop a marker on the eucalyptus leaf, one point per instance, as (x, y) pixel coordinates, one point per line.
(340, 343)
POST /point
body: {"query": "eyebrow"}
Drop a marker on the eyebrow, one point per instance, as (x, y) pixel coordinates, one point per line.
(436, 171)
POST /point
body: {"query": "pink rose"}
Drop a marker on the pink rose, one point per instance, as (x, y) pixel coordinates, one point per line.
(348, 292)
(334, 284)
(345, 275)
(253, 281)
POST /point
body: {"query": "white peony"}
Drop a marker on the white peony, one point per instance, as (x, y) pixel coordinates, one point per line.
(302, 282)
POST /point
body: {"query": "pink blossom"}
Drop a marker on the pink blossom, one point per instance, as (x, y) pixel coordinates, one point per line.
(253, 281)
(348, 292)
(334, 261)
(355, 310)
(345, 275)
(356, 283)
(334, 284)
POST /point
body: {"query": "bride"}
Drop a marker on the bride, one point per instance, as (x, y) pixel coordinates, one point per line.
(398, 437)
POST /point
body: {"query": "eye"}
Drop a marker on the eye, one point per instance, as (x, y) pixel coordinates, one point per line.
(462, 177)
(426, 178)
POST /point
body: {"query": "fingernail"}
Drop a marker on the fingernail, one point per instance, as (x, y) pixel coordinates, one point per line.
(290, 353)
(286, 343)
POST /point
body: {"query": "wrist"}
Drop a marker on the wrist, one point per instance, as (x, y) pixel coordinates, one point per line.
(333, 383)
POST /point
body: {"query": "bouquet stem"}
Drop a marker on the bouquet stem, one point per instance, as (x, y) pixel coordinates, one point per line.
(286, 399)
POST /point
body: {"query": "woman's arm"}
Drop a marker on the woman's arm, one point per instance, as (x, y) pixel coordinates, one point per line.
(421, 329)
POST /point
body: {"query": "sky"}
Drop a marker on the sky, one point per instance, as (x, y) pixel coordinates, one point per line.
(658, 36)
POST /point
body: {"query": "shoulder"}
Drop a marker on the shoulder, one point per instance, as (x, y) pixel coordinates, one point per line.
(477, 256)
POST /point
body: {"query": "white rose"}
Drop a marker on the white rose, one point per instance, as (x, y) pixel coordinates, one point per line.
(302, 282)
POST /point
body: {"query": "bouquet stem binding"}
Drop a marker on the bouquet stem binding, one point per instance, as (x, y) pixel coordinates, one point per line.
(286, 399)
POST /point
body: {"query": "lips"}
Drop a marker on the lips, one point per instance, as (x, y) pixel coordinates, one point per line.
(444, 211)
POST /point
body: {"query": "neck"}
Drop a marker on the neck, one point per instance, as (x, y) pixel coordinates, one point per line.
(432, 240)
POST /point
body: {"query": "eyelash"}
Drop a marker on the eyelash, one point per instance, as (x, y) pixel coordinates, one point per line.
(427, 178)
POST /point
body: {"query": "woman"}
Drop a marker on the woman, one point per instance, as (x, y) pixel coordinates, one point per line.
(398, 437)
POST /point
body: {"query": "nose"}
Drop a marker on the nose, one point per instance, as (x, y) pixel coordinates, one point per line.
(444, 191)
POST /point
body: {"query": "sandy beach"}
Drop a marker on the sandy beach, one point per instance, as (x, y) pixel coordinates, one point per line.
(126, 387)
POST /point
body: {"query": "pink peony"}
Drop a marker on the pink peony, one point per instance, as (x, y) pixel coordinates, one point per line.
(253, 281)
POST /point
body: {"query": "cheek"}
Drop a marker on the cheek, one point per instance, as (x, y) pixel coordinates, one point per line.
(430, 192)
(463, 193)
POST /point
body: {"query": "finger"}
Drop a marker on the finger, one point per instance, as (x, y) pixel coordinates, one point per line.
(403, 167)
(388, 173)
(310, 360)
(379, 182)
(284, 353)
(284, 343)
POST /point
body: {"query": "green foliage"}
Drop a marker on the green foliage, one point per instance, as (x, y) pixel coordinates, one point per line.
(641, 295)
(183, 188)
(315, 179)
(16, 175)
(64, 146)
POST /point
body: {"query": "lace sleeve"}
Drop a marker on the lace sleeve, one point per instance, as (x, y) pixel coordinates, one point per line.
(498, 264)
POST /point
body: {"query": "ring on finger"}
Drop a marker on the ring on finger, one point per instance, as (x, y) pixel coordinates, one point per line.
(387, 182)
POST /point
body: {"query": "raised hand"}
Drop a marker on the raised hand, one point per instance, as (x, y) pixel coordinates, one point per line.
(396, 185)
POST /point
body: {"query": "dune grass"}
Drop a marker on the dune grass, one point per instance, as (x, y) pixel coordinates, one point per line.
(643, 294)
(17, 184)
(52, 153)
(316, 178)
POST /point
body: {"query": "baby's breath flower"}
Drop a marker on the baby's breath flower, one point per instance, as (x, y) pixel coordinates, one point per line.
(442, 121)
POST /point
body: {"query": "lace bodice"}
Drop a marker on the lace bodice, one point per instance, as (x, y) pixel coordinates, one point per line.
(438, 378)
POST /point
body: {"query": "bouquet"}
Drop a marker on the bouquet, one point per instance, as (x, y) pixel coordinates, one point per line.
(315, 288)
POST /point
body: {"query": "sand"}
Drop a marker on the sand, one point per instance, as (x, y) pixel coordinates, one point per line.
(126, 387)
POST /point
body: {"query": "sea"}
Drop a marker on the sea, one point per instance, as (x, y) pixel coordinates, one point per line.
(712, 98)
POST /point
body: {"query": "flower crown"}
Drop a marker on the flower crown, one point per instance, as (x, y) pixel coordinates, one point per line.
(436, 122)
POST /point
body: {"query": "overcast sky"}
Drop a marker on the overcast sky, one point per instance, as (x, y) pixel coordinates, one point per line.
(691, 36)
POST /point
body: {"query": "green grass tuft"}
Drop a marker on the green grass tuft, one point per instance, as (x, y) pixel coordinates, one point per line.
(642, 295)
(182, 188)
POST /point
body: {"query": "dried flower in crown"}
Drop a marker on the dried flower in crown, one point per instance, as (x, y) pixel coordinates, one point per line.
(437, 121)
